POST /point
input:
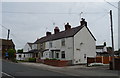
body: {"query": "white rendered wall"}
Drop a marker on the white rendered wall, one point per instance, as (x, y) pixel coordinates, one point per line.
(84, 43)
(68, 48)
(26, 48)
(34, 46)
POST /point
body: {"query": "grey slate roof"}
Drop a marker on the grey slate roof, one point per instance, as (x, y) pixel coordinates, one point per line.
(63, 34)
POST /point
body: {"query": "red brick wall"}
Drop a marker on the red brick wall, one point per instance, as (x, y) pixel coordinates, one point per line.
(59, 63)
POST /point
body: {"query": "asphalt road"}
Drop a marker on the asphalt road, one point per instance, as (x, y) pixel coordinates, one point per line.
(15, 69)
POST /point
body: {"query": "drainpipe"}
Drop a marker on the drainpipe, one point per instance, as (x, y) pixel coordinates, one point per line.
(73, 49)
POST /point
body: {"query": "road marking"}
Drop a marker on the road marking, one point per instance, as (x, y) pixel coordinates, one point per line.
(7, 74)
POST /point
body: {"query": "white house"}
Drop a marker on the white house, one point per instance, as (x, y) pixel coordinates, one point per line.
(72, 44)
(26, 52)
(101, 49)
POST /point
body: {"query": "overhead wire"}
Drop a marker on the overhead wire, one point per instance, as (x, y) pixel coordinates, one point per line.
(10, 33)
(112, 4)
(51, 12)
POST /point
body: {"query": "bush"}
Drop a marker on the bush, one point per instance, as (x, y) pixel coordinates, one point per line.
(47, 59)
(54, 59)
(32, 59)
(14, 60)
(51, 59)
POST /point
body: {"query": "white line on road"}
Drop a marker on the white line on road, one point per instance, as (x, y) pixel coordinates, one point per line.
(7, 74)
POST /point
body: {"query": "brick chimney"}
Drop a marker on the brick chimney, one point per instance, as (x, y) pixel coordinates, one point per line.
(56, 30)
(67, 26)
(83, 22)
(48, 33)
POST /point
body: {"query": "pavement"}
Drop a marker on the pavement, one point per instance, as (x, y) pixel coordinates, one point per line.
(77, 70)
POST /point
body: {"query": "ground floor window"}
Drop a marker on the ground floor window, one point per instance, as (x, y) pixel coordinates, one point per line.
(57, 55)
(52, 54)
(24, 55)
(41, 54)
(36, 54)
(63, 54)
(19, 56)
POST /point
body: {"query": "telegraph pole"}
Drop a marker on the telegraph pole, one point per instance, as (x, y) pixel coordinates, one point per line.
(8, 34)
(113, 60)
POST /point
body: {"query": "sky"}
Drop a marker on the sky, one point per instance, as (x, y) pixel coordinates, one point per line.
(119, 26)
(29, 21)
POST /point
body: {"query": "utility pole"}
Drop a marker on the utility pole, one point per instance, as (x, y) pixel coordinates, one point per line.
(8, 34)
(113, 59)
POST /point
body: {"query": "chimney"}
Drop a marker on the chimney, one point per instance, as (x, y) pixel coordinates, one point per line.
(83, 22)
(48, 33)
(67, 26)
(56, 30)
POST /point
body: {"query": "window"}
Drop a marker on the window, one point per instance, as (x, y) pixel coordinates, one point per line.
(19, 56)
(50, 44)
(41, 54)
(57, 55)
(63, 42)
(63, 54)
(84, 55)
(52, 54)
(41, 46)
(24, 55)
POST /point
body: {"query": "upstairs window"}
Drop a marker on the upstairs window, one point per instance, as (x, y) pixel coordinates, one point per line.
(50, 44)
(63, 42)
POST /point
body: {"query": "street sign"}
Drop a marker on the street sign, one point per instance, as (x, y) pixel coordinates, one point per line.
(6, 54)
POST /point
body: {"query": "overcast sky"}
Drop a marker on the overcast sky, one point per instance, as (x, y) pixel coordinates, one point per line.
(30, 20)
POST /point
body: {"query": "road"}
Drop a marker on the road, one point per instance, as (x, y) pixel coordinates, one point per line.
(30, 70)
(15, 69)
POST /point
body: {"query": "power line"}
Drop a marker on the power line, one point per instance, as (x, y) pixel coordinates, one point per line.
(4, 27)
(112, 4)
(11, 33)
(98, 19)
(51, 13)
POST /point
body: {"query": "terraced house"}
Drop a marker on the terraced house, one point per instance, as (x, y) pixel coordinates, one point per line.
(72, 44)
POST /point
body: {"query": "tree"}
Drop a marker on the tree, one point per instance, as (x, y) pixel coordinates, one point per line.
(11, 53)
(20, 50)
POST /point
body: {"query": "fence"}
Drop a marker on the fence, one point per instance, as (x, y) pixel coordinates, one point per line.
(99, 59)
(117, 64)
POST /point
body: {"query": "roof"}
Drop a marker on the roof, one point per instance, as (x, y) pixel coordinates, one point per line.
(63, 34)
(30, 44)
(99, 46)
(7, 42)
(34, 51)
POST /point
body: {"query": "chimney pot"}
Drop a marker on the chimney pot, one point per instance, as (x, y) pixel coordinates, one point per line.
(48, 33)
(67, 26)
(56, 30)
(83, 22)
